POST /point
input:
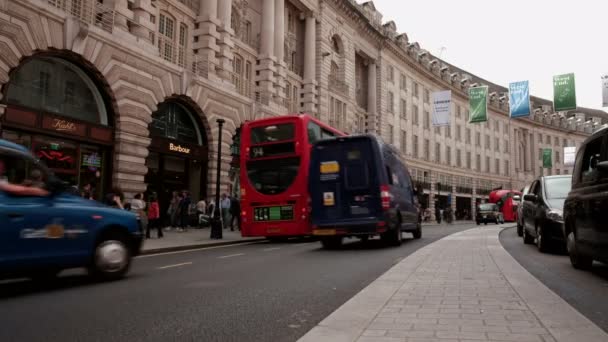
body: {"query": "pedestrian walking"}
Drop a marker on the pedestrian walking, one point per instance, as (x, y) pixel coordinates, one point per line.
(184, 211)
(225, 209)
(138, 207)
(115, 199)
(438, 214)
(201, 212)
(154, 217)
(235, 212)
(172, 211)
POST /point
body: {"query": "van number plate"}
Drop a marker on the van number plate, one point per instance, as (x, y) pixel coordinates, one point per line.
(357, 210)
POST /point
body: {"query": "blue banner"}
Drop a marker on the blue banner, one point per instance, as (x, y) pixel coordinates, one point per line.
(519, 99)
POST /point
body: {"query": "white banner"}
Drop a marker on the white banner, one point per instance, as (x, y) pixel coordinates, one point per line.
(569, 155)
(605, 90)
(442, 104)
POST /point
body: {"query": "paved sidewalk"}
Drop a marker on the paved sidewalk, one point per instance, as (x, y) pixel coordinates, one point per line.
(465, 287)
(193, 238)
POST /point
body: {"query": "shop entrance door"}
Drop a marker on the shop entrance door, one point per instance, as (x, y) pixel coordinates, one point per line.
(166, 174)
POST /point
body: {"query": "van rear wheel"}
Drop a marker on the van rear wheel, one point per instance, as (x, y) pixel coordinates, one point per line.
(418, 232)
(392, 237)
(333, 242)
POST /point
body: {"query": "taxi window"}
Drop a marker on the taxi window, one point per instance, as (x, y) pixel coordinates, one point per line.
(19, 170)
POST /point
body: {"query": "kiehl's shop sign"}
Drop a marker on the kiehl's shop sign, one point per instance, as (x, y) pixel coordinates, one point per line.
(178, 148)
(64, 126)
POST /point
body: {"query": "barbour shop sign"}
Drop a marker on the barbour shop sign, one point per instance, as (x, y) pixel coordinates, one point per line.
(178, 148)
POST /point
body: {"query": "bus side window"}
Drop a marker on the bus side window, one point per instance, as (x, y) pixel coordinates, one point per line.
(325, 134)
(314, 132)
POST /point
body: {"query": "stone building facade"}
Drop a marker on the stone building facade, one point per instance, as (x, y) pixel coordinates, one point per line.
(163, 71)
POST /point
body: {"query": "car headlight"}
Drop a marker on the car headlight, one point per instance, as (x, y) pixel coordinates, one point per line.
(555, 215)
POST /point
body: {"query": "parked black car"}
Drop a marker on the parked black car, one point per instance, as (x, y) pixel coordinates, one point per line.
(543, 212)
(586, 207)
(520, 212)
(488, 212)
(359, 187)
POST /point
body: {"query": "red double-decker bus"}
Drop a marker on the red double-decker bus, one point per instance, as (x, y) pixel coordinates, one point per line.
(275, 154)
(507, 201)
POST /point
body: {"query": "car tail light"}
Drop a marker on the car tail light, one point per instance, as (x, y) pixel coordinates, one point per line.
(385, 197)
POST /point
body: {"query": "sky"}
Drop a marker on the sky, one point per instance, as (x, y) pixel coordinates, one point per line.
(514, 40)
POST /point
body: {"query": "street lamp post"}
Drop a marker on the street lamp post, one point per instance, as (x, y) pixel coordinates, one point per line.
(216, 223)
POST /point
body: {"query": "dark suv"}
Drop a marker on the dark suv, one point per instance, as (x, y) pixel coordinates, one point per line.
(543, 211)
(586, 207)
(488, 212)
(360, 188)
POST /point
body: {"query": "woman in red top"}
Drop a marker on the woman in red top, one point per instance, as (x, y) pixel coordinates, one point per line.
(154, 217)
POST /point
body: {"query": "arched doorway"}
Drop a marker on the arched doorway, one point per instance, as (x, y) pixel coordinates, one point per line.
(57, 111)
(178, 153)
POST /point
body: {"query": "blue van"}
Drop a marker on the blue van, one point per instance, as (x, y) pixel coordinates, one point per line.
(42, 235)
(359, 187)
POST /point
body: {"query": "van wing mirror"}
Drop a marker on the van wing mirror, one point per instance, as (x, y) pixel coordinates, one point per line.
(603, 166)
(530, 197)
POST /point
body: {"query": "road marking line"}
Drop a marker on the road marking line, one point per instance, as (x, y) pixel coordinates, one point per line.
(176, 265)
(271, 249)
(230, 256)
(197, 249)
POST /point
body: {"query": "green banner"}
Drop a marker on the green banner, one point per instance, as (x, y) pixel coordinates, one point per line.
(564, 92)
(478, 103)
(547, 162)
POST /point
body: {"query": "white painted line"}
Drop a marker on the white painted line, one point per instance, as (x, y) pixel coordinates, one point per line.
(271, 249)
(195, 250)
(230, 256)
(176, 265)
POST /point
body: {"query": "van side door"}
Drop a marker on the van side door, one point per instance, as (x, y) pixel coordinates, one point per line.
(590, 198)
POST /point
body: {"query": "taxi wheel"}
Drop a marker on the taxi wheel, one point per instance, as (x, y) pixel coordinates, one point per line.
(392, 237)
(112, 258)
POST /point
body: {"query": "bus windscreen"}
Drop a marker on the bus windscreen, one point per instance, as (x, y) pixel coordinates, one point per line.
(272, 133)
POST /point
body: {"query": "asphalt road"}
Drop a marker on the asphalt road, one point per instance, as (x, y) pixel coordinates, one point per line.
(254, 292)
(585, 291)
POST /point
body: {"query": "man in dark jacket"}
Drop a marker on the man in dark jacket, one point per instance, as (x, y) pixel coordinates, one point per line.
(235, 213)
(184, 210)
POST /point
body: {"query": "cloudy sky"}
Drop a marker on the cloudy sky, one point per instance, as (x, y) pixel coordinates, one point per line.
(506, 41)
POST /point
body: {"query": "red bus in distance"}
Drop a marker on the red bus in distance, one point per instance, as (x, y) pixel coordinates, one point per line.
(507, 201)
(275, 154)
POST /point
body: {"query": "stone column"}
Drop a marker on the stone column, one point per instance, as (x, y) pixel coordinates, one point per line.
(207, 33)
(527, 156)
(371, 97)
(266, 61)
(279, 29)
(142, 10)
(226, 45)
(309, 49)
(310, 53)
(122, 13)
(267, 34)
(279, 47)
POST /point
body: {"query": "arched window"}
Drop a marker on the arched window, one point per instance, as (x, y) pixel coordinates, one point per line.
(53, 85)
(174, 121)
